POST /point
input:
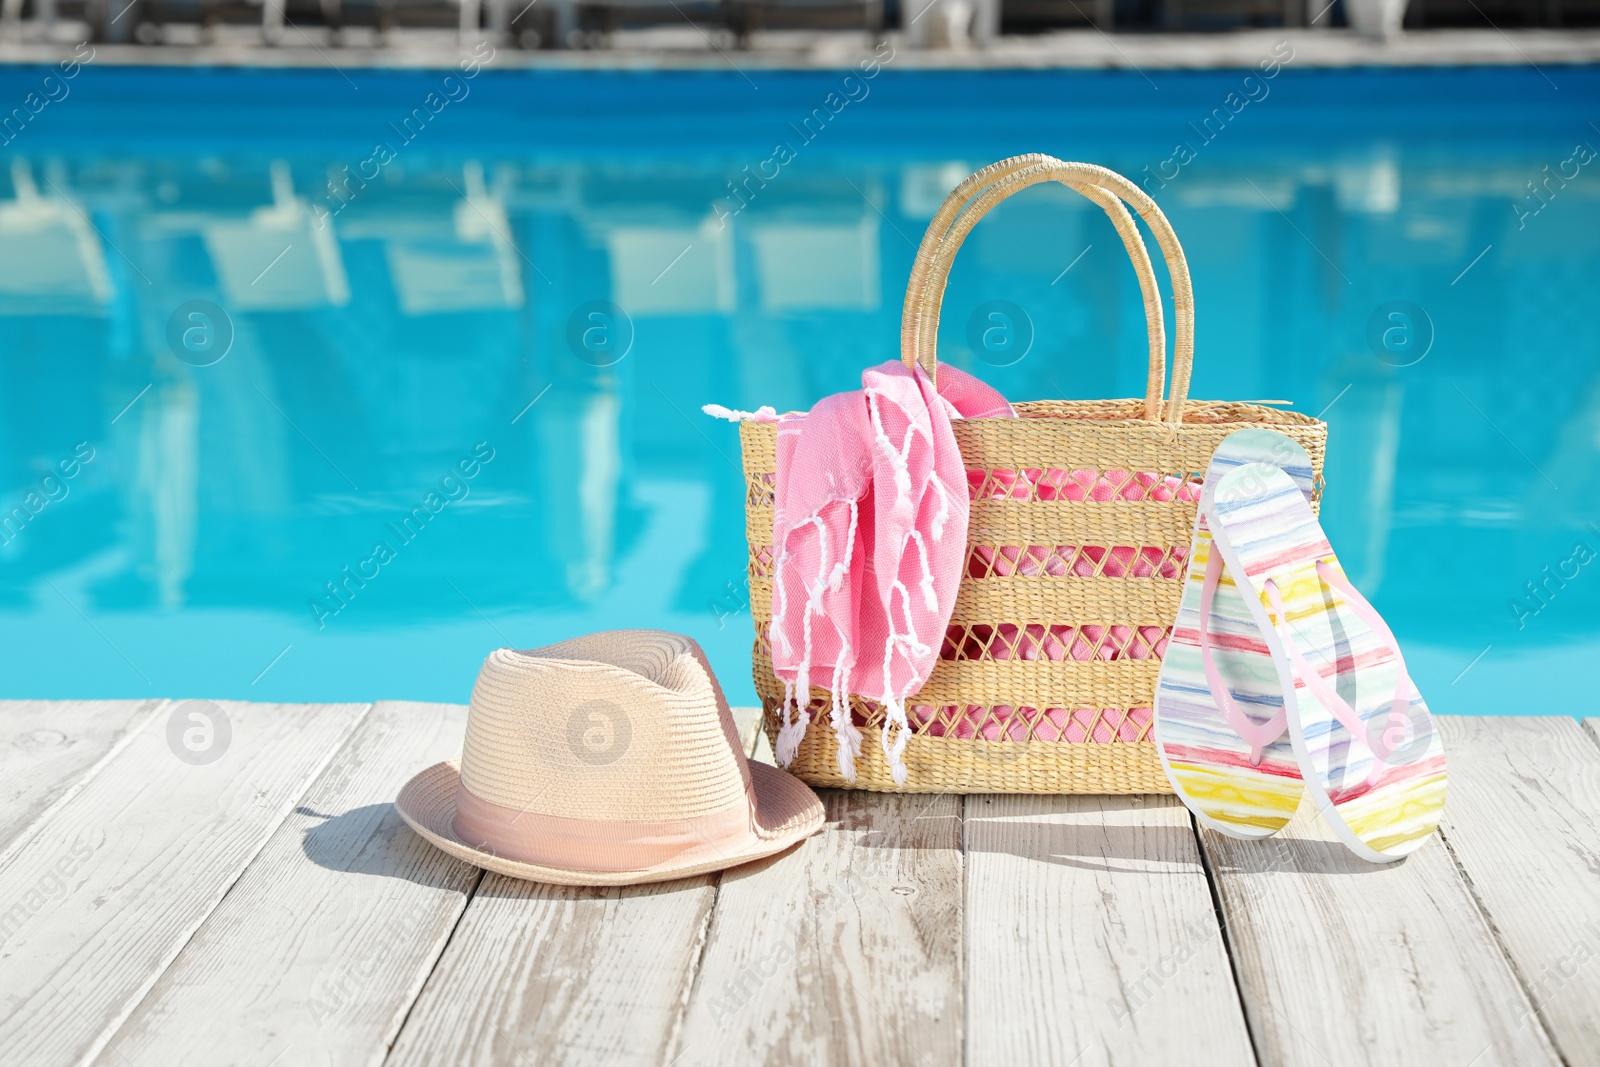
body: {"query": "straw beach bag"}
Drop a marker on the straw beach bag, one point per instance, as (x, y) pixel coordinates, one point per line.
(1082, 512)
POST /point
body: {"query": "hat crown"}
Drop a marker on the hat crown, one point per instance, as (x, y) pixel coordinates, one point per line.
(624, 725)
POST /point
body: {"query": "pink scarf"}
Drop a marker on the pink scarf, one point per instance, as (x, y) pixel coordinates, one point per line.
(869, 540)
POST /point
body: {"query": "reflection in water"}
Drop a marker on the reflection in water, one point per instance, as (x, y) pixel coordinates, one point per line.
(453, 302)
(1364, 463)
(49, 251)
(165, 488)
(583, 470)
(247, 254)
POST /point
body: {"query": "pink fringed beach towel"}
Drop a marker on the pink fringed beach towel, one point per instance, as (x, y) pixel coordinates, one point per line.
(869, 536)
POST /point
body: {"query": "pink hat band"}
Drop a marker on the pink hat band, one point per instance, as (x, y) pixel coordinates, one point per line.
(601, 844)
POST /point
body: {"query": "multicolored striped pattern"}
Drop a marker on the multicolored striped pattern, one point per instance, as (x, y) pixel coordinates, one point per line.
(1206, 760)
(1268, 534)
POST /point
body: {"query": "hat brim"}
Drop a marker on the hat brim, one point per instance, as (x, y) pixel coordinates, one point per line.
(787, 811)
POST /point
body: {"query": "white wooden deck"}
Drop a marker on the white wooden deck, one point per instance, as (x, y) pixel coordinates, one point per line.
(270, 908)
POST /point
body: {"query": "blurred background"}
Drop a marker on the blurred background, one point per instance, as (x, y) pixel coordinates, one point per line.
(319, 383)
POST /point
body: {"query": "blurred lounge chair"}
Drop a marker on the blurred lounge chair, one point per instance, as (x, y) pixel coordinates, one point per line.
(119, 21)
(1484, 14)
(530, 23)
(380, 15)
(665, 252)
(806, 265)
(1031, 16)
(747, 16)
(279, 257)
(1571, 12)
(1230, 13)
(109, 21)
(387, 15)
(950, 23)
(596, 20)
(454, 250)
(39, 14)
(51, 259)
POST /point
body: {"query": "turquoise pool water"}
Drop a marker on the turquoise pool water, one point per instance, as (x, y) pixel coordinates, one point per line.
(228, 372)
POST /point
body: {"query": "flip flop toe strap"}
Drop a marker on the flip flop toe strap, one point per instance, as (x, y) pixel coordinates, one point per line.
(1257, 735)
(1377, 740)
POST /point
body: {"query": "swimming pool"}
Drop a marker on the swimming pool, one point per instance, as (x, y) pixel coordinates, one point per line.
(251, 320)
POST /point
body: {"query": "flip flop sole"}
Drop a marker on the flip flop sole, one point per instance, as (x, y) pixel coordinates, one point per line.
(1205, 758)
(1383, 805)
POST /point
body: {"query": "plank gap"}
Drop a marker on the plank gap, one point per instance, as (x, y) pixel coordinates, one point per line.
(167, 837)
(443, 948)
(1228, 947)
(1500, 942)
(270, 830)
(1520, 826)
(860, 924)
(541, 973)
(966, 911)
(1091, 936)
(670, 1051)
(1404, 946)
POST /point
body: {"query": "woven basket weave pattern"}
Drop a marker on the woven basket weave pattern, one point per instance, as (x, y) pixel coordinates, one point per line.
(1119, 680)
(1048, 670)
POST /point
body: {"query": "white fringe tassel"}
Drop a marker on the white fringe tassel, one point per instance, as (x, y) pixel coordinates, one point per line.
(894, 747)
(844, 729)
(717, 411)
(792, 730)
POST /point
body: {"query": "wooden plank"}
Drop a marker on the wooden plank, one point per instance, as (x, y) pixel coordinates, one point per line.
(845, 950)
(1340, 961)
(1523, 820)
(748, 720)
(541, 975)
(762, 752)
(1095, 939)
(108, 886)
(321, 947)
(48, 747)
(756, 745)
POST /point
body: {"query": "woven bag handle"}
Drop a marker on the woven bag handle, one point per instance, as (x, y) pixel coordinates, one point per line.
(933, 239)
(964, 207)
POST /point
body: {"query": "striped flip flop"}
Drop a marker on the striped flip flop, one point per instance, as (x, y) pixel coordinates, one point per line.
(1368, 749)
(1220, 725)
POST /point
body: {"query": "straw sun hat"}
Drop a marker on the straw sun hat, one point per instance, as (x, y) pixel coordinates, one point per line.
(609, 759)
